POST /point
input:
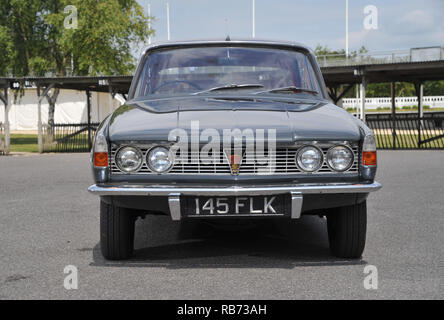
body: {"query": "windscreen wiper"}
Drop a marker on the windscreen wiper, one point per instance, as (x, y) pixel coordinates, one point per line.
(289, 89)
(232, 87)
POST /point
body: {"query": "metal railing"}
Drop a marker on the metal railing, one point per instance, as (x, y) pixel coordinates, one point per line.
(408, 131)
(404, 131)
(68, 137)
(382, 57)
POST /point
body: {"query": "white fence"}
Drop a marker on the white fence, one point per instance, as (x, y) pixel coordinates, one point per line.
(374, 103)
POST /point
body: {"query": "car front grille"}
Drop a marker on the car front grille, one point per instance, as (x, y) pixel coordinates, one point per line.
(219, 165)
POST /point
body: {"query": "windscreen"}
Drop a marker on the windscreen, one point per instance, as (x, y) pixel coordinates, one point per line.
(199, 69)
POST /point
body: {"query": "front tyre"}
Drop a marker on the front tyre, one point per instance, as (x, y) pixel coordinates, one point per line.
(116, 232)
(347, 228)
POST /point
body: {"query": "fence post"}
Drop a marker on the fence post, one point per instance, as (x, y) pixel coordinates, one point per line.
(392, 89)
(111, 97)
(5, 100)
(7, 124)
(39, 120)
(363, 89)
(419, 88)
(357, 100)
(88, 104)
(39, 108)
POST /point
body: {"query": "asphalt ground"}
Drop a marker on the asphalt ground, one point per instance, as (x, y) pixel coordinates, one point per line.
(48, 220)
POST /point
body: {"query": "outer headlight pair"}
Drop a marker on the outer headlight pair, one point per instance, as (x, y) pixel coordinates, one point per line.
(310, 158)
(130, 159)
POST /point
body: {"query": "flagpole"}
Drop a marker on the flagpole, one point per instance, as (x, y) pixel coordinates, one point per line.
(346, 29)
(149, 22)
(168, 21)
(254, 20)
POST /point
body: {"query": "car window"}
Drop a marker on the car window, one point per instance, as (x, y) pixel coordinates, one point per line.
(192, 70)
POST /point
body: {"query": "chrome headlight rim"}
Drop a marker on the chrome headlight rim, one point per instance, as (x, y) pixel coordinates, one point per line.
(300, 151)
(134, 148)
(148, 161)
(329, 160)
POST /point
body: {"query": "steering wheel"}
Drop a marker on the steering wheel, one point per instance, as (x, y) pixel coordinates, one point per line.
(191, 84)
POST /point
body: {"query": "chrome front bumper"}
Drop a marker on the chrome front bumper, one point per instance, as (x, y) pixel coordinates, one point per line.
(174, 192)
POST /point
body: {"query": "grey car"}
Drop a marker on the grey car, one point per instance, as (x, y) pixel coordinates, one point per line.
(231, 130)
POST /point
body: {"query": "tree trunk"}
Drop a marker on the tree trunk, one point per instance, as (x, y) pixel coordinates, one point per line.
(52, 101)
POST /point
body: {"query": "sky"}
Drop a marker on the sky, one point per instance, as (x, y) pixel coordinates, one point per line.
(402, 24)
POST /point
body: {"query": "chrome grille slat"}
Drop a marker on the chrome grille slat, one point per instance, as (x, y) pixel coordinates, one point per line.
(284, 163)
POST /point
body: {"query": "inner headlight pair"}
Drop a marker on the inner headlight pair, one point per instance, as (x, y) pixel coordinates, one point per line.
(130, 159)
(310, 158)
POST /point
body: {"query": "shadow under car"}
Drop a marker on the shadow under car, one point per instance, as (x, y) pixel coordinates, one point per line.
(160, 242)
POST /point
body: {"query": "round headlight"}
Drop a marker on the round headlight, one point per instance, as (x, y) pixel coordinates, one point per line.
(309, 158)
(340, 158)
(159, 159)
(129, 159)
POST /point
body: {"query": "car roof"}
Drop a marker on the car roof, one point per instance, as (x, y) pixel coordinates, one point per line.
(261, 42)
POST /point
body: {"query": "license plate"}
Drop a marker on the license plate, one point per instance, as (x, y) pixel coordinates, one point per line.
(273, 205)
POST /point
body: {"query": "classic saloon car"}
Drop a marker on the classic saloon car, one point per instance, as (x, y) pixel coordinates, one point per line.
(232, 130)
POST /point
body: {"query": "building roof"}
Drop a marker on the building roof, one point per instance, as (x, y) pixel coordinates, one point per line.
(334, 76)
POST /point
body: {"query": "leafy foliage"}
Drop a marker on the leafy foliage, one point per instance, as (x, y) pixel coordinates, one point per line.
(434, 88)
(6, 49)
(402, 89)
(324, 51)
(34, 40)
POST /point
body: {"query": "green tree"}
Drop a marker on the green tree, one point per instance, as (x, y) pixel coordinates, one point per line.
(6, 48)
(22, 26)
(107, 30)
(35, 41)
(326, 51)
(434, 88)
(382, 89)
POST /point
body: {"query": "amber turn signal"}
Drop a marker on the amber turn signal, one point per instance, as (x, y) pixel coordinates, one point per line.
(101, 159)
(369, 158)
